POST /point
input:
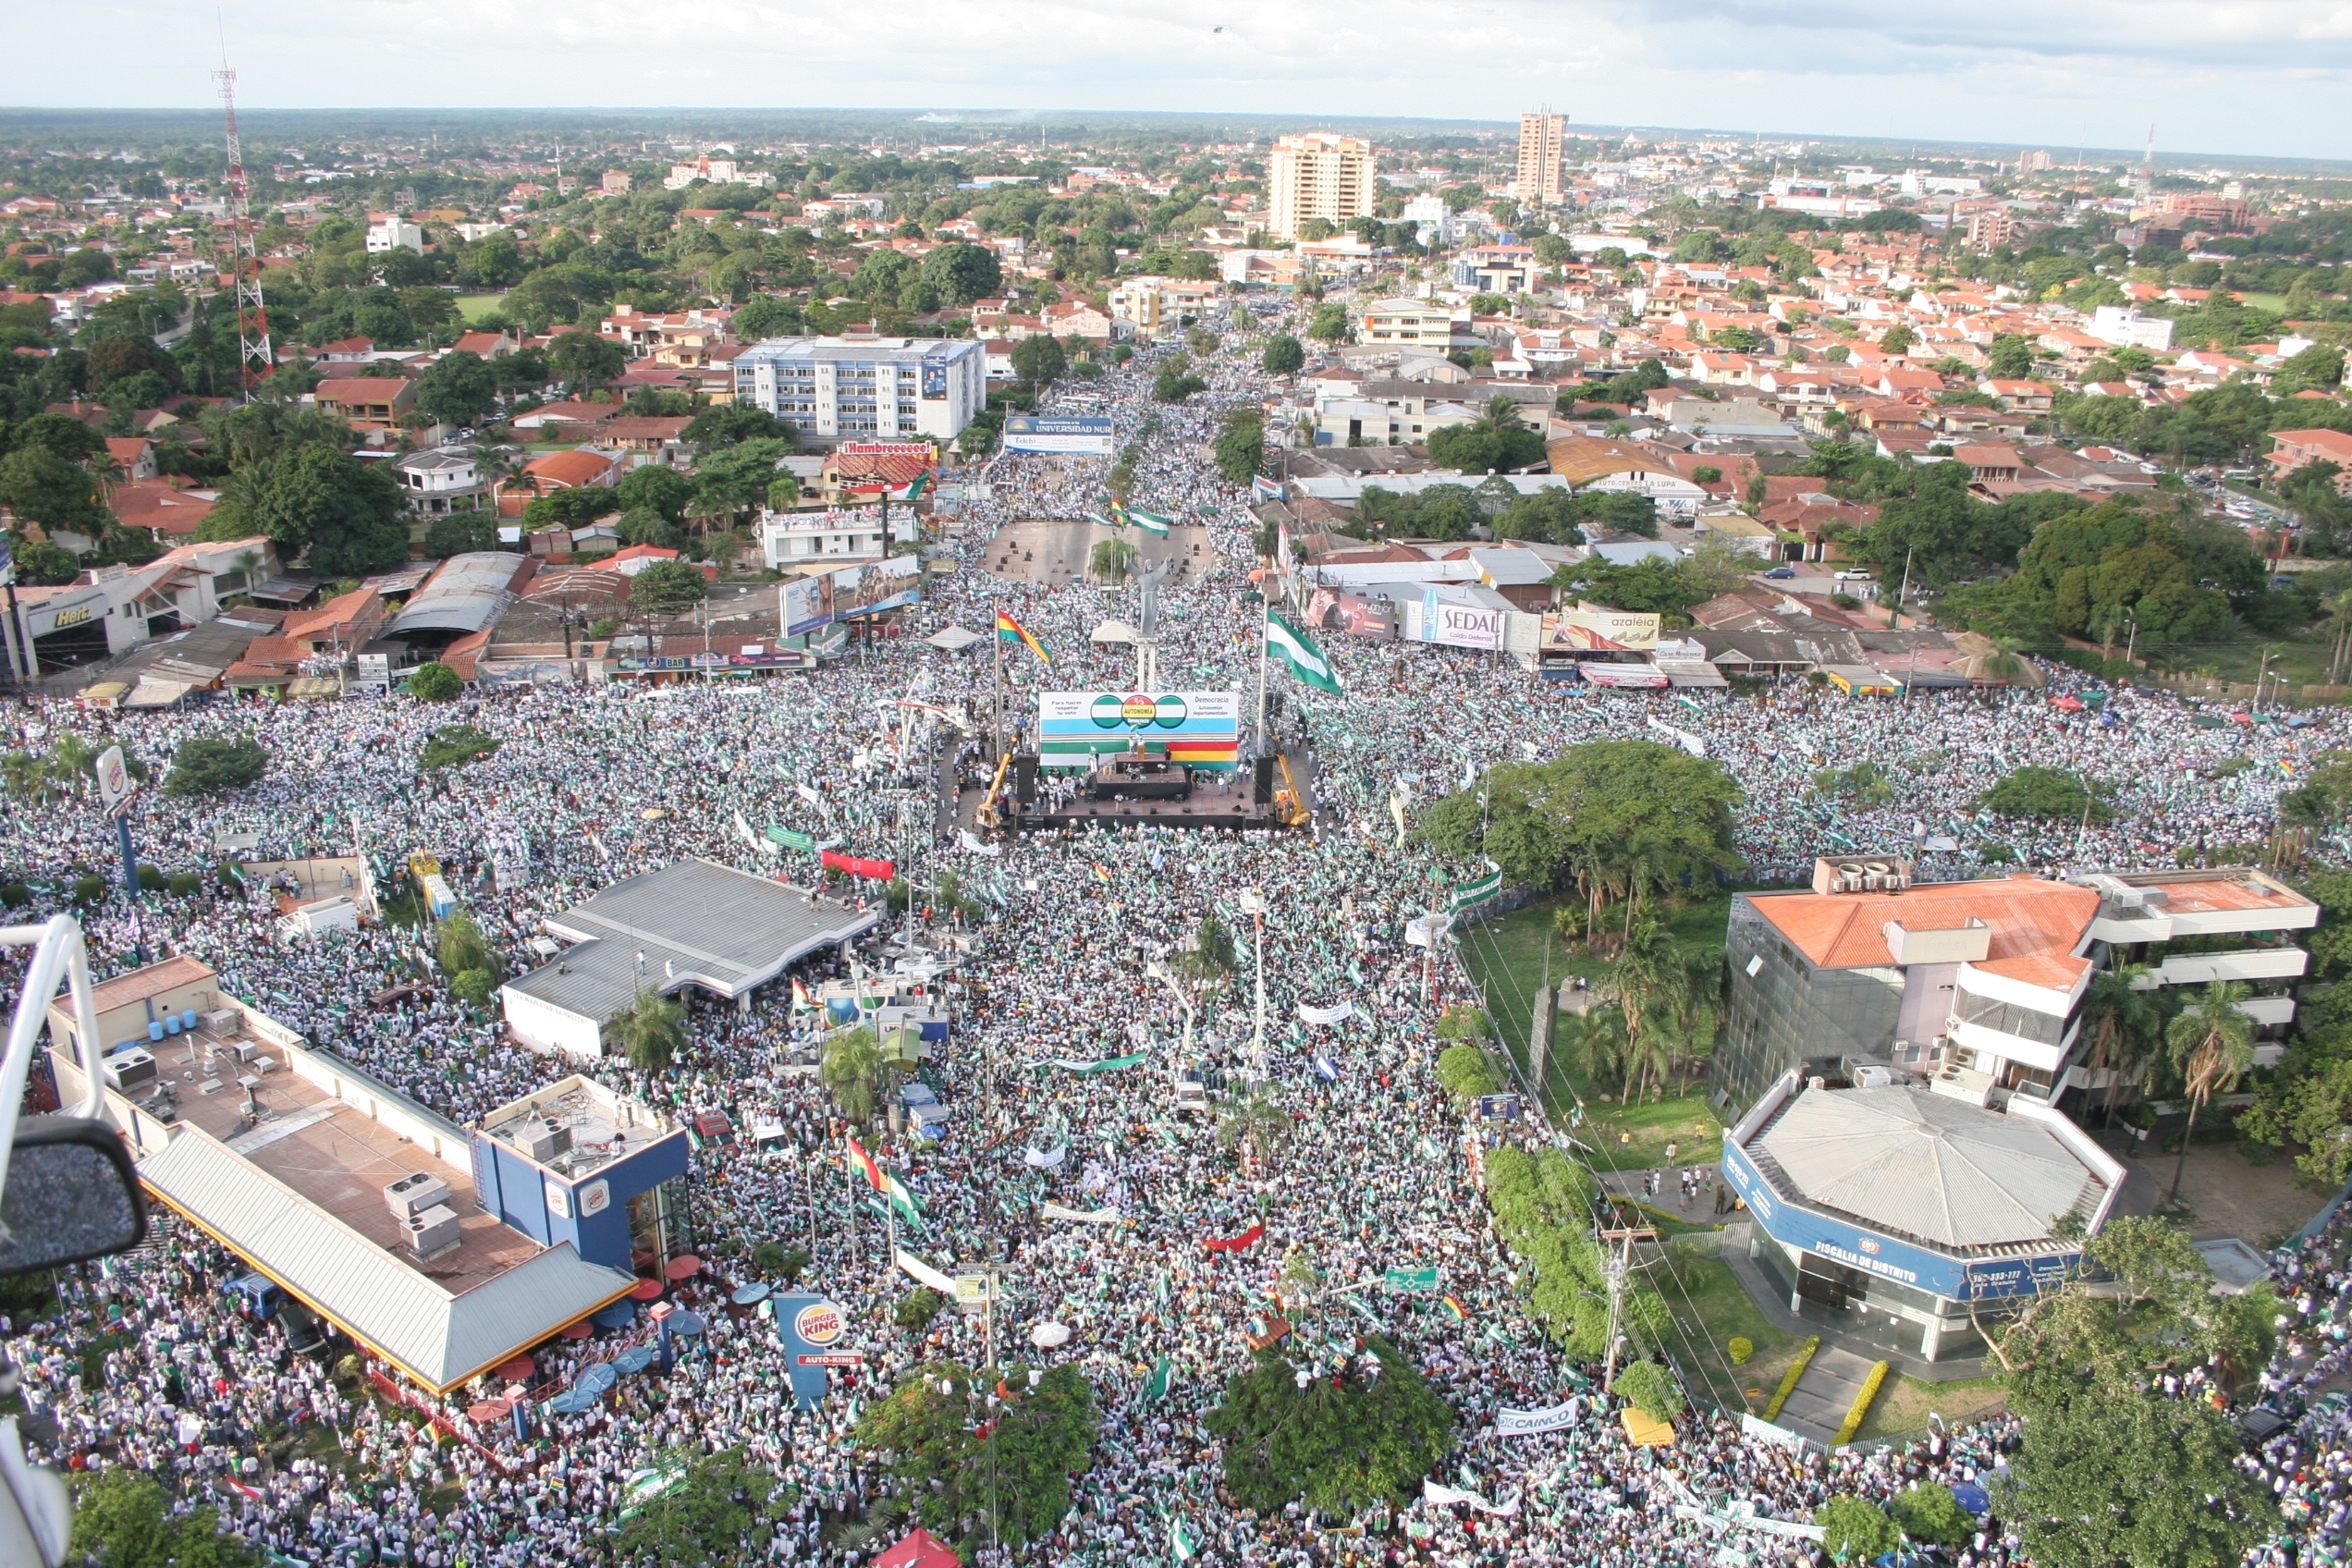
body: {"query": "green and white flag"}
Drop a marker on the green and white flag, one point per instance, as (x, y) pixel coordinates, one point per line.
(1180, 1541)
(1162, 1377)
(1467, 893)
(1150, 522)
(1295, 649)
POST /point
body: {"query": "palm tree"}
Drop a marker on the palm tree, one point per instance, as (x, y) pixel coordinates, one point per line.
(2126, 1017)
(1501, 413)
(651, 1032)
(247, 562)
(1113, 560)
(1596, 1043)
(1651, 984)
(2211, 1045)
(2339, 616)
(22, 774)
(851, 1070)
(1254, 1122)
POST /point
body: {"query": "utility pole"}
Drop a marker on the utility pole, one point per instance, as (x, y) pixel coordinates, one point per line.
(1254, 904)
(2262, 674)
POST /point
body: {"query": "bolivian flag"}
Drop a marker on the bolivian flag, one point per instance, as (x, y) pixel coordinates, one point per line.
(862, 1164)
(1012, 631)
(1455, 1306)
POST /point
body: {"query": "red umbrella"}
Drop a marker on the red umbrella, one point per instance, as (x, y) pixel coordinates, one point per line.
(647, 1289)
(517, 1370)
(685, 1266)
(489, 1410)
(2067, 704)
(579, 1330)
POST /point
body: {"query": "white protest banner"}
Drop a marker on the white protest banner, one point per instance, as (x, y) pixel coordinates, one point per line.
(1445, 1497)
(1527, 1422)
(1044, 1160)
(971, 841)
(1084, 1216)
(1327, 1015)
(924, 1274)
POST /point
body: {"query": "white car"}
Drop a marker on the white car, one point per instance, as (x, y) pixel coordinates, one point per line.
(1853, 575)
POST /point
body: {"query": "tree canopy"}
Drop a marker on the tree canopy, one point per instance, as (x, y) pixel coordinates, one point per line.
(984, 1458)
(316, 501)
(206, 766)
(1621, 819)
(1340, 1439)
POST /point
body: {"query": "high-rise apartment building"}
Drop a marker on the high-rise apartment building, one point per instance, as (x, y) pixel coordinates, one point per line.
(1542, 148)
(1318, 175)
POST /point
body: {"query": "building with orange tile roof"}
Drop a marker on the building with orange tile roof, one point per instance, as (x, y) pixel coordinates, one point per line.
(1975, 989)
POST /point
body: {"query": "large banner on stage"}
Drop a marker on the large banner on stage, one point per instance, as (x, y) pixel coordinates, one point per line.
(1198, 729)
(1085, 434)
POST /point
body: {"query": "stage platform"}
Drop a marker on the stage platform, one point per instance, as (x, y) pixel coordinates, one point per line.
(1214, 801)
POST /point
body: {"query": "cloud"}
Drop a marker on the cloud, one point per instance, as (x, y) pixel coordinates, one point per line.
(2256, 76)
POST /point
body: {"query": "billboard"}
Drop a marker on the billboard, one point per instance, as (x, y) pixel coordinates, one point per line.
(935, 379)
(1434, 620)
(1589, 628)
(1085, 434)
(811, 604)
(1199, 728)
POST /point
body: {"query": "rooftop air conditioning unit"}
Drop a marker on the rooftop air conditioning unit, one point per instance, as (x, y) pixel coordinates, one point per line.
(432, 1229)
(543, 1143)
(412, 1193)
(131, 1071)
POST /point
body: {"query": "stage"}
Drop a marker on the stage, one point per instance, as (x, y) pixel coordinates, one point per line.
(1215, 800)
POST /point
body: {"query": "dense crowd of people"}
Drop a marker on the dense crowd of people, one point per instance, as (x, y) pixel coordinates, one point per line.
(146, 1362)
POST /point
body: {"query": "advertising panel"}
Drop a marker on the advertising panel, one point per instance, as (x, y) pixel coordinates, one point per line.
(1199, 728)
(1087, 435)
(1588, 628)
(1454, 625)
(935, 379)
(811, 604)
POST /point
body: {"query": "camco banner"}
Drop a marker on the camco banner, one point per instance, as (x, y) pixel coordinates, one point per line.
(1324, 1016)
(1198, 729)
(1527, 1423)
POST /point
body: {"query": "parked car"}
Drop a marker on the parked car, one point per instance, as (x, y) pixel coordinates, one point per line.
(1853, 574)
(1782, 571)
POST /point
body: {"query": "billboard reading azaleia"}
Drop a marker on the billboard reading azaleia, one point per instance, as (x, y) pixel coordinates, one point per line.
(1198, 729)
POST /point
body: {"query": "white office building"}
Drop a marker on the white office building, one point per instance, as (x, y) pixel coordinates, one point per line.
(394, 234)
(862, 389)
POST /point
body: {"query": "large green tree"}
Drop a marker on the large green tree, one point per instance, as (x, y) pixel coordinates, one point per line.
(986, 1455)
(319, 502)
(1621, 819)
(1365, 1431)
(584, 359)
(963, 272)
(458, 388)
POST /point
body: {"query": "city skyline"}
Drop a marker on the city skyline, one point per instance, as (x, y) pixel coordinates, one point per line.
(2085, 74)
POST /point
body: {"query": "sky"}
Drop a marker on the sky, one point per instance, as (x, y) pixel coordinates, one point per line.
(2262, 77)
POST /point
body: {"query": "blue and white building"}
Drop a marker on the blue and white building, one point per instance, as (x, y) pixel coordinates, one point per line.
(865, 388)
(1889, 1212)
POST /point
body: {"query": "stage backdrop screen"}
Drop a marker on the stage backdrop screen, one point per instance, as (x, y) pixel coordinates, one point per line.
(1200, 728)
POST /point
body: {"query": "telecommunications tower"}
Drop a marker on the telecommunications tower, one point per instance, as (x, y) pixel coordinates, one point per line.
(254, 359)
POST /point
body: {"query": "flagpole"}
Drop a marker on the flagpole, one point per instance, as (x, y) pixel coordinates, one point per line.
(1264, 627)
(857, 1244)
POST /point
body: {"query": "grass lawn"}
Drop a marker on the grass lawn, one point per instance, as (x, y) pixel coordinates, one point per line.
(2264, 301)
(2299, 659)
(473, 307)
(1508, 957)
(1903, 1403)
(1709, 1303)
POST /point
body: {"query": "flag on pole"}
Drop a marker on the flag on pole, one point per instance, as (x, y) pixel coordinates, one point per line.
(902, 1197)
(801, 1001)
(1180, 1541)
(1101, 521)
(1295, 649)
(1162, 1377)
(922, 482)
(1012, 631)
(1102, 872)
(1150, 522)
(1460, 1312)
(862, 1163)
